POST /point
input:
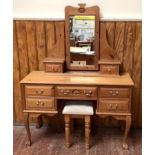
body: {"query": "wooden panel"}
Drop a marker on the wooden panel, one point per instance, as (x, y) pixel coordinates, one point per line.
(31, 45)
(137, 75)
(119, 39)
(48, 40)
(18, 115)
(110, 26)
(129, 47)
(22, 48)
(40, 42)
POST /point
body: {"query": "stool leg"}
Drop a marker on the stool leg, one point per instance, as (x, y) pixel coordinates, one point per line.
(87, 131)
(67, 130)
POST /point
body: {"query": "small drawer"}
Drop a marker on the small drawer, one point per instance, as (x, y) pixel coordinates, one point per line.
(34, 103)
(114, 92)
(57, 68)
(109, 69)
(39, 91)
(76, 92)
(109, 105)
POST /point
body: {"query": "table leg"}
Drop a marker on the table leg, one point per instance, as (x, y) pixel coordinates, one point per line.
(127, 128)
(26, 122)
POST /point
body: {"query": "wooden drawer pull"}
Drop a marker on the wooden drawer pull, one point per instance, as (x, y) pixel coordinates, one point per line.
(114, 93)
(65, 93)
(88, 93)
(39, 102)
(39, 92)
(113, 107)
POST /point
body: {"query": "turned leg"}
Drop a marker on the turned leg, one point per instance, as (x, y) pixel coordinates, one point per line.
(67, 130)
(26, 122)
(39, 121)
(127, 128)
(87, 131)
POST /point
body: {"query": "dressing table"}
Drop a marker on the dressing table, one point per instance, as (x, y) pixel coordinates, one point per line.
(91, 73)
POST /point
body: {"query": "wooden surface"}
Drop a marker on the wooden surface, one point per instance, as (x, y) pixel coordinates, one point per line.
(103, 141)
(125, 37)
(66, 78)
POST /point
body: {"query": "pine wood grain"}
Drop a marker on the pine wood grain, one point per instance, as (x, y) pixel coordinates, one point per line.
(137, 74)
(110, 26)
(129, 47)
(31, 45)
(40, 42)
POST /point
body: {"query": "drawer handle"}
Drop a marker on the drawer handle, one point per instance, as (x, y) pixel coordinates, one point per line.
(39, 92)
(38, 102)
(114, 93)
(42, 103)
(113, 107)
(88, 93)
(65, 93)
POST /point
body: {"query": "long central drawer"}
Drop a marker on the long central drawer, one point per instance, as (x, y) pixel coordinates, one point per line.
(76, 92)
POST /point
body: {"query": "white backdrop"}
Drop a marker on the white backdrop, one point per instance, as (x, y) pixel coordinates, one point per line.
(54, 9)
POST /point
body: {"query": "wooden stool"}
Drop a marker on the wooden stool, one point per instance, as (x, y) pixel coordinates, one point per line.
(78, 109)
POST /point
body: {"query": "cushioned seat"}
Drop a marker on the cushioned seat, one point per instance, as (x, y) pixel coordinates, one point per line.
(78, 108)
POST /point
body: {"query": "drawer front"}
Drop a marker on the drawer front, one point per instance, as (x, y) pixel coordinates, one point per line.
(109, 69)
(109, 105)
(39, 90)
(114, 92)
(34, 103)
(53, 68)
(76, 92)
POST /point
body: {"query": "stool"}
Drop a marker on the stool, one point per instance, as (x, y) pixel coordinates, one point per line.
(78, 109)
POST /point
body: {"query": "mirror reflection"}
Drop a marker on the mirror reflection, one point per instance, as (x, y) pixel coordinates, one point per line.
(82, 32)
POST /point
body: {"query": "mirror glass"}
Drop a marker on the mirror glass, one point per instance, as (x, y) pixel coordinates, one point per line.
(82, 32)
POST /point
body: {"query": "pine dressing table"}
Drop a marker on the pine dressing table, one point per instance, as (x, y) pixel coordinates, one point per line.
(74, 78)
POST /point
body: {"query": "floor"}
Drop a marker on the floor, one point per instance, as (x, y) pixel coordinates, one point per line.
(51, 141)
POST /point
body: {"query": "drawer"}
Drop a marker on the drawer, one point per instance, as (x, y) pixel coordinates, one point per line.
(76, 92)
(39, 103)
(39, 90)
(114, 92)
(115, 105)
(53, 68)
(109, 69)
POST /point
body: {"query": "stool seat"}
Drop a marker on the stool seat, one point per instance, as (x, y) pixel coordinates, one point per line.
(78, 108)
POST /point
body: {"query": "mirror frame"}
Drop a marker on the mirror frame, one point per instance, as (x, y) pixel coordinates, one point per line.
(82, 11)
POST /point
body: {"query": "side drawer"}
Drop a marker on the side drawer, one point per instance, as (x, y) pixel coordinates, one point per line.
(76, 92)
(39, 90)
(40, 104)
(109, 69)
(57, 68)
(113, 105)
(114, 92)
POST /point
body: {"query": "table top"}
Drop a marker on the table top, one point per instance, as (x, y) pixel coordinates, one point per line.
(77, 78)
